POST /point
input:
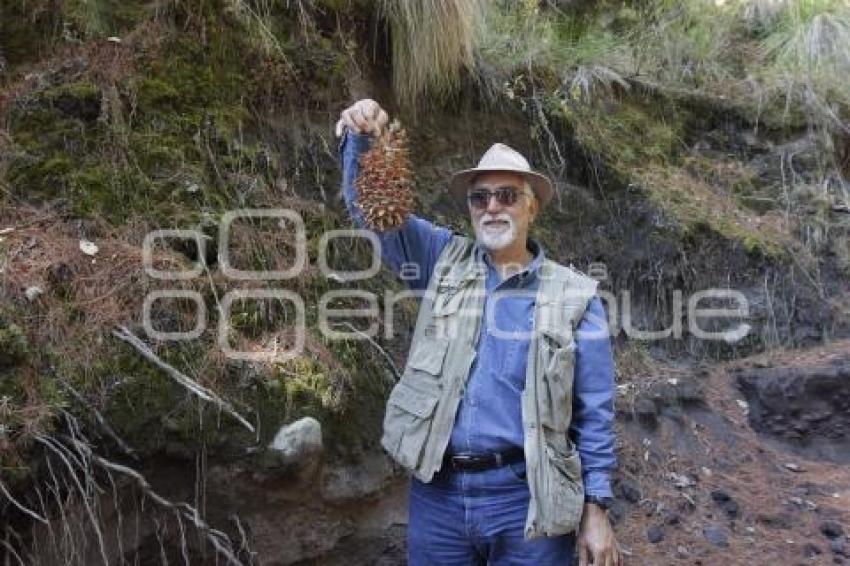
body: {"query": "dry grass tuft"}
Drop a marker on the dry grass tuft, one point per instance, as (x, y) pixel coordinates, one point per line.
(806, 60)
(433, 41)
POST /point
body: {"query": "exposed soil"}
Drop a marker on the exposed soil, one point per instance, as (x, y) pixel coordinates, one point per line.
(696, 468)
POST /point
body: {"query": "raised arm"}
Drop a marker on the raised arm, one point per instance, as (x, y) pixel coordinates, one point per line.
(411, 250)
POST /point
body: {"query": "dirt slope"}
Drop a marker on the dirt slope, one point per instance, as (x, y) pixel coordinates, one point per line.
(695, 468)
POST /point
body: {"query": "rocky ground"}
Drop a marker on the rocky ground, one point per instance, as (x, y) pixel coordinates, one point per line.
(698, 483)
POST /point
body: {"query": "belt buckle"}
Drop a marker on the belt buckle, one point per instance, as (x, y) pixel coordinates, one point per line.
(459, 459)
(476, 461)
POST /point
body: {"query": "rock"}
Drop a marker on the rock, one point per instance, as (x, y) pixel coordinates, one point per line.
(617, 511)
(716, 535)
(88, 247)
(831, 529)
(838, 547)
(810, 550)
(33, 292)
(671, 518)
(803, 406)
(680, 480)
(298, 442)
(654, 534)
(628, 490)
(725, 501)
(646, 412)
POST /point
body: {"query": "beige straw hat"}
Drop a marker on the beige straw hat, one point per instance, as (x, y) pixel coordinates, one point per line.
(500, 157)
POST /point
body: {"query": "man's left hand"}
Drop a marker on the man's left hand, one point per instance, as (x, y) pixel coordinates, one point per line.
(597, 544)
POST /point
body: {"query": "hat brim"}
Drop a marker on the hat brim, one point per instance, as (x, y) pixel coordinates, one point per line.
(540, 184)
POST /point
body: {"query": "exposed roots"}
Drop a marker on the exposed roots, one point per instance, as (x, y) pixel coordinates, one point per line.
(81, 494)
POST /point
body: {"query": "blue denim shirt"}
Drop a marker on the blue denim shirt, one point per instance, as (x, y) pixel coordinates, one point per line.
(490, 415)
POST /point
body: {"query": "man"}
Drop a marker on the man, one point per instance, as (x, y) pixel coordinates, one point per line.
(504, 412)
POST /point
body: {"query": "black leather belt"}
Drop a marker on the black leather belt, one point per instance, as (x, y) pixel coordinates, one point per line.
(480, 462)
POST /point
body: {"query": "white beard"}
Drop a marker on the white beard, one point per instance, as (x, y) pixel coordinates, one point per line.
(495, 237)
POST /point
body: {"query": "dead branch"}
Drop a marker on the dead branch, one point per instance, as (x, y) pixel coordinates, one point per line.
(123, 333)
(100, 420)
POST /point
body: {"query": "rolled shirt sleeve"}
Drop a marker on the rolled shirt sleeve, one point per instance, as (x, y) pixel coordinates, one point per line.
(593, 401)
(410, 251)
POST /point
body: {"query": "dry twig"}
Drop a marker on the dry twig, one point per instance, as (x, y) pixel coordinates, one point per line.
(123, 333)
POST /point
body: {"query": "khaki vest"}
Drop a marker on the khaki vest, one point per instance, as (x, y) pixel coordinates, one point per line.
(422, 406)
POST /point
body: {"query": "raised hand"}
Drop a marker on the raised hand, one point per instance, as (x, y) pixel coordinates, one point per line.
(363, 117)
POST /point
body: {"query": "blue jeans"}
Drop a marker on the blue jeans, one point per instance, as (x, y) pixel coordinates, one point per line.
(472, 518)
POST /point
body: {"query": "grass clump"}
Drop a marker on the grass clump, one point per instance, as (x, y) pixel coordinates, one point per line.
(807, 61)
(432, 42)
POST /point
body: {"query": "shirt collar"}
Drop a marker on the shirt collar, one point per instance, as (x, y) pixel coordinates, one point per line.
(531, 270)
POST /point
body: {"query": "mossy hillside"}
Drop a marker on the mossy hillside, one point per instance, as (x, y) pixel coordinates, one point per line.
(27, 399)
(343, 383)
(643, 147)
(172, 134)
(637, 85)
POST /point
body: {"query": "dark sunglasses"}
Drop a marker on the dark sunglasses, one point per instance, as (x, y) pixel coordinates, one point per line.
(505, 196)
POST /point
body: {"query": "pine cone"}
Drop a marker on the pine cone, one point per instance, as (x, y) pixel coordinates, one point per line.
(385, 192)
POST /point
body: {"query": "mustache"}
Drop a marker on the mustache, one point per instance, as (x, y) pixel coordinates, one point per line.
(487, 217)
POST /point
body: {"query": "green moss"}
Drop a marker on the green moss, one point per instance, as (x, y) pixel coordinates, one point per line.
(27, 32)
(82, 91)
(153, 92)
(104, 17)
(13, 344)
(348, 401)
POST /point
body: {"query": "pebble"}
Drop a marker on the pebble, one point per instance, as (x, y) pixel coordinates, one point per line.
(629, 490)
(654, 534)
(646, 412)
(810, 550)
(88, 247)
(33, 292)
(680, 480)
(838, 547)
(726, 502)
(716, 535)
(831, 529)
(671, 518)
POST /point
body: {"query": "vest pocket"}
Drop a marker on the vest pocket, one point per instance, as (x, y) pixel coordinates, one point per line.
(565, 497)
(407, 423)
(428, 355)
(558, 378)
